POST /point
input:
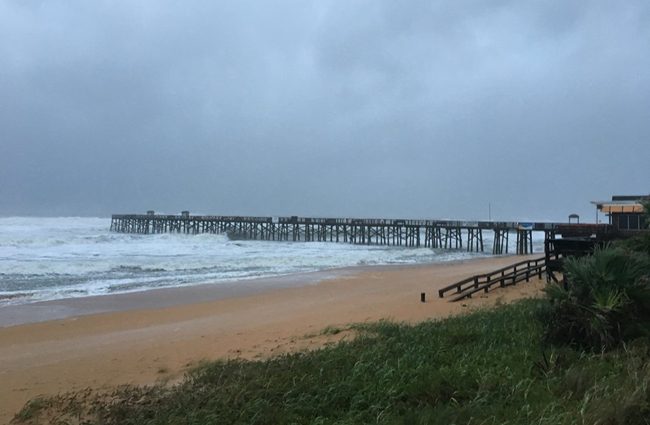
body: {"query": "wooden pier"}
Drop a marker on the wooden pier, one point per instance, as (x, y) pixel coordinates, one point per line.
(445, 234)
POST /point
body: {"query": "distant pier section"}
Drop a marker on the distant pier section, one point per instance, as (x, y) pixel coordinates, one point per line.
(445, 234)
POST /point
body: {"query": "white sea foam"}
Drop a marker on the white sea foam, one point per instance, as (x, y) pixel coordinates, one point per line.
(50, 258)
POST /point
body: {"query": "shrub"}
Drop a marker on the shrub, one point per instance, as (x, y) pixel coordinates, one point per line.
(638, 243)
(607, 300)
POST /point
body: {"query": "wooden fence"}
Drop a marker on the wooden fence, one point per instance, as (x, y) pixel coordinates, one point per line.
(506, 276)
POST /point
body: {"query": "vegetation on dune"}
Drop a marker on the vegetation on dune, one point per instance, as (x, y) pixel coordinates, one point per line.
(586, 362)
(607, 300)
(488, 367)
(637, 244)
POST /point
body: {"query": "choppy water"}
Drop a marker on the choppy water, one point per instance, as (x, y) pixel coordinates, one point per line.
(50, 258)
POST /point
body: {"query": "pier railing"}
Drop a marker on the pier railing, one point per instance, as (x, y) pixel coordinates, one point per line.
(481, 224)
(505, 276)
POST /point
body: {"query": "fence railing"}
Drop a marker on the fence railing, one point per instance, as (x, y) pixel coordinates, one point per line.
(505, 276)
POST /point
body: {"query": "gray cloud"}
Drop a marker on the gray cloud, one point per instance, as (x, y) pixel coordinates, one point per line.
(361, 108)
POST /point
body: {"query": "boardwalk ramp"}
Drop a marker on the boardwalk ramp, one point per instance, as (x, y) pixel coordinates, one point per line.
(506, 276)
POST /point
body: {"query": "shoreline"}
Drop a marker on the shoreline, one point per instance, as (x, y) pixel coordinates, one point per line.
(154, 298)
(148, 344)
(62, 308)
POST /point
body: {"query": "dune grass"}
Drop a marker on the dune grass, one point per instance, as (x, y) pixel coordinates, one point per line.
(488, 367)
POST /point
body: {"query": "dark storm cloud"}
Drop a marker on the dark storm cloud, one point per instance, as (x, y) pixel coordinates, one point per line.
(365, 108)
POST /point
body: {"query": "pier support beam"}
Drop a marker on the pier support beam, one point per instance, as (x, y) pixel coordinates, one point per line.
(500, 244)
(453, 238)
(524, 242)
(474, 240)
(432, 237)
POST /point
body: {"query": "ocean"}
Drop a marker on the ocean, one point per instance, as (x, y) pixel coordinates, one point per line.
(65, 257)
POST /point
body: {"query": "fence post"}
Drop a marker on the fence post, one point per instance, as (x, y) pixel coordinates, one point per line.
(528, 271)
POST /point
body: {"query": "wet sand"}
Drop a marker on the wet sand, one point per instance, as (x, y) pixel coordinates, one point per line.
(140, 338)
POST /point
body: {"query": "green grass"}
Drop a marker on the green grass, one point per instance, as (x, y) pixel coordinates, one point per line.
(487, 367)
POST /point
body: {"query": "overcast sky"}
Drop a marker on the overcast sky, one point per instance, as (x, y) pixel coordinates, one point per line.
(415, 109)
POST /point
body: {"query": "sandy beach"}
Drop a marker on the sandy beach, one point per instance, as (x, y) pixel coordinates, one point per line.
(145, 337)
